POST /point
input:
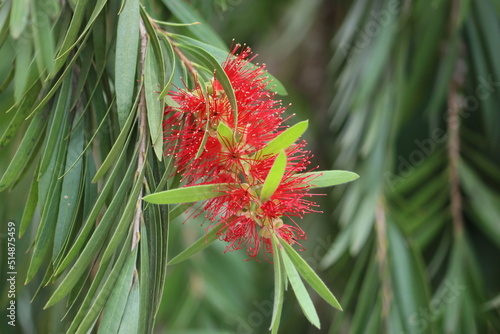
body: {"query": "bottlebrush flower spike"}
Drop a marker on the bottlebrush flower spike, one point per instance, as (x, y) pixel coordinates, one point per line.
(231, 155)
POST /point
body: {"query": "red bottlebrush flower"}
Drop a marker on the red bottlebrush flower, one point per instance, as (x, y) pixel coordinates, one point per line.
(186, 126)
(244, 219)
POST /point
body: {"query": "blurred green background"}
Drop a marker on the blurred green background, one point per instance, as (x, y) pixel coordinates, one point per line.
(404, 93)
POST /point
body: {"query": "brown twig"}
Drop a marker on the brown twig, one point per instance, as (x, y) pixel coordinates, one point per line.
(453, 120)
(186, 61)
(142, 135)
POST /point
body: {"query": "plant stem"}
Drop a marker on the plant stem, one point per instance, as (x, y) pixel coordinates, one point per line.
(142, 135)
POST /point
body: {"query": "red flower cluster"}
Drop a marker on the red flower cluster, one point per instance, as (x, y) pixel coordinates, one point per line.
(204, 156)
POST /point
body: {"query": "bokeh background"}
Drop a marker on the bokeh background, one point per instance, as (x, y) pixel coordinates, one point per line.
(404, 93)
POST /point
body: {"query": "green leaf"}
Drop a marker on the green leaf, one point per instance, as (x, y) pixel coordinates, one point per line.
(206, 59)
(4, 20)
(155, 43)
(283, 140)
(410, 289)
(71, 191)
(24, 151)
(187, 14)
(21, 111)
(146, 281)
(94, 212)
(24, 64)
(225, 135)
(118, 145)
(188, 194)
(19, 17)
(279, 289)
(303, 297)
(59, 81)
(85, 290)
(43, 38)
(170, 60)
(49, 194)
(127, 46)
(84, 150)
(95, 242)
(130, 318)
(126, 219)
(329, 178)
(72, 31)
(125, 259)
(196, 247)
(58, 119)
(274, 177)
(310, 276)
(104, 45)
(29, 208)
(84, 34)
(8, 79)
(155, 111)
(178, 210)
(115, 306)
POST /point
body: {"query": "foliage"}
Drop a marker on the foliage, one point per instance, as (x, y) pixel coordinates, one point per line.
(409, 101)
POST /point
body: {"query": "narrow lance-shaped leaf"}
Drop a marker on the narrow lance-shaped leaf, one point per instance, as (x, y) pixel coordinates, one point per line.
(24, 64)
(225, 135)
(99, 5)
(328, 178)
(279, 288)
(117, 301)
(72, 32)
(94, 212)
(274, 177)
(188, 194)
(84, 150)
(127, 46)
(154, 110)
(19, 17)
(24, 151)
(29, 208)
(70, 191)
(58, 120)
(21, 111)
(146, 282)
(59, 81)
(117, 146)
(49, 194)
(130, 320)
(43, 38)
(155, 43)
(120, 230)
(170, 60)
(283, 140)
(207, 125)
(177, 211)
(98, 303)
(303, 297)
(95, 242)
(310, 276)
